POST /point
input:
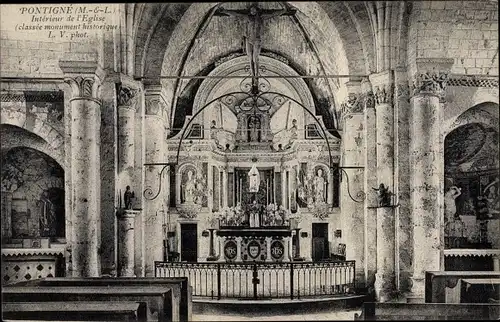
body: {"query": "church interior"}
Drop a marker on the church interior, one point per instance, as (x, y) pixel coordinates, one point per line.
(191, 154)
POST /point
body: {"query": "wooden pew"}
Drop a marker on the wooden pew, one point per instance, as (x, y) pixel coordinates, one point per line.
(372, 311)
(157, 298)
(181, 291)
(444, 286)
(480, 290)
(71, 311)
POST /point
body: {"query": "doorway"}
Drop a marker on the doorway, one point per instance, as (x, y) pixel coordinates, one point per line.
(189, 243)
(320, 241)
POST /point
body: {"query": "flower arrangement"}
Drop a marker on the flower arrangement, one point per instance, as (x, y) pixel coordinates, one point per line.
(275, 216)
(232, 216)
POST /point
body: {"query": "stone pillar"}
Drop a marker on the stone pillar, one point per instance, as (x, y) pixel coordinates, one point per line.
(382, 84)
(402, 185)
(496, 263)
(293, 187)
(385, 276)
(370, 181)
(154, 131)
(268, 249)
(284, 197)
(210, 184)
(426, 162)
(329, 196)
(238, 249)
(286, 255)
(85, 80)
(351, 215)
(126, 242)
(127, 98)
(224, 187)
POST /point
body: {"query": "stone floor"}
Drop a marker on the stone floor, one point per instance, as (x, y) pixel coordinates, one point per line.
(342, 315)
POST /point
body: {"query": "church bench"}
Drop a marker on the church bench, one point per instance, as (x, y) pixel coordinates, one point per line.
(181, 290)
(157, 298)
(372, 311)
(71, 311)
(480, 290)
(445, 286)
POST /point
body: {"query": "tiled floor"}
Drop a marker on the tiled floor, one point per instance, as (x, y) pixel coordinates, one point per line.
(346, 315)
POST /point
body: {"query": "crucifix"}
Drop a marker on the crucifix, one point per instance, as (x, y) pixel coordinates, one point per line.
(254, 18)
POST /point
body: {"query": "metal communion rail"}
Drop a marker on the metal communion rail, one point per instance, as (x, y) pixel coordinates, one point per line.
(259, 280)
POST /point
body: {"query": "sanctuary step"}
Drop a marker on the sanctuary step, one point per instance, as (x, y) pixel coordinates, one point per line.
(372, 311)
(181, 290)
(157, 298)
(75, 311)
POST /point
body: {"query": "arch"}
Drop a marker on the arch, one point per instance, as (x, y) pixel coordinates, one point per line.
(36, 182)
(208, 87)
(16, 114)
(486, 113)
(14, 136)
(168, 33)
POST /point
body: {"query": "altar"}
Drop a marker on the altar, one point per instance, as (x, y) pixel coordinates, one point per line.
(243, 244)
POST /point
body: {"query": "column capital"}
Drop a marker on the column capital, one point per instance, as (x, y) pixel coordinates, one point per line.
(383, 87)
(431, 76)
(383, 94)
(85, 78)
(155, 102)
(127, 96)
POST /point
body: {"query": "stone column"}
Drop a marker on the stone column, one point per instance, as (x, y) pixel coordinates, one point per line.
(238, 249)
(383, 93)
(351, 215)
(284, 197)
(127, 99)
(224, 187)
(426, 162)
(210, 184)
(85, 80)
(496, 263)
(126, 242)
(155, 146)
(329, 196)
(370, 181)
(293, 188)
(402, 184)
(269, 258)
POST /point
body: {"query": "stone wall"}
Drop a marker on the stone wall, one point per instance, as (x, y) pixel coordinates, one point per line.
(466, 31)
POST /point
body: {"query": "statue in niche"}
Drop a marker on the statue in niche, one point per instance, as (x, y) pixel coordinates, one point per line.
(189, 188)
(450, 207)
(254, 129)
(47, 215)
(383, 196)
(254, 18)
(493, 198)
(254, 179)
(128, 196)
(319, 187)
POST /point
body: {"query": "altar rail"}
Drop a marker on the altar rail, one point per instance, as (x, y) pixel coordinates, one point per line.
(260, 280)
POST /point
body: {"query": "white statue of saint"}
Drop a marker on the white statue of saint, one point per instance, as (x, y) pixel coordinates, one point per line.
(254, 178)
(189, 188)
(319, 187)
(450, 207)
